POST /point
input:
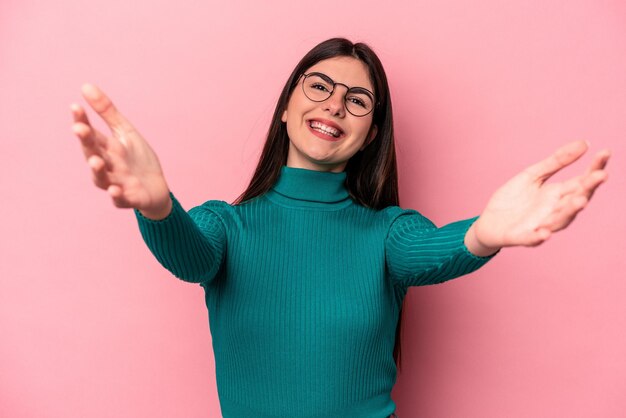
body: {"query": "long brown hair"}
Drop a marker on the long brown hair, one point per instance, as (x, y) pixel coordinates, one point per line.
(371, 174)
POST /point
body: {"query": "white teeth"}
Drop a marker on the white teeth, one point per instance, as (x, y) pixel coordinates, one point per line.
(324, 128)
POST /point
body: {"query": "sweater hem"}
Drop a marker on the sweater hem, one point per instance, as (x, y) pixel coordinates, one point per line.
(377, 407)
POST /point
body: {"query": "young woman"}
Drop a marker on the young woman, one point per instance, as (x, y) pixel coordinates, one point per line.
(305, 275)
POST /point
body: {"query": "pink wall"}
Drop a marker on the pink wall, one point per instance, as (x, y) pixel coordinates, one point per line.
(92, 326)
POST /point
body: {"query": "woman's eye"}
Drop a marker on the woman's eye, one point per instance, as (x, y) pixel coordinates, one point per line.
(357, 101)
(320, 87)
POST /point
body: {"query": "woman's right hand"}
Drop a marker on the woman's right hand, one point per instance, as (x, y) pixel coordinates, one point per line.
(123, 163)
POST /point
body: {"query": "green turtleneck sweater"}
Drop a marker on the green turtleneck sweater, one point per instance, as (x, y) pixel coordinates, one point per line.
(303, 288)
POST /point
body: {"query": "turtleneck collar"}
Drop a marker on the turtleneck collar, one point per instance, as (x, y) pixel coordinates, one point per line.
(309, 188)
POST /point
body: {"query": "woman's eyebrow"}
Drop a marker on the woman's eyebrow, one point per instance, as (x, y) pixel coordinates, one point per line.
(362, 90)
(357, 89)
(325, 77)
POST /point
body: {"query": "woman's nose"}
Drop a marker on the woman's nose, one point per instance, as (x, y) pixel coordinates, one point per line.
(335, 104)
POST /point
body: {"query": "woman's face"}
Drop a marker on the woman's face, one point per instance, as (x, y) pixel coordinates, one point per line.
(323, 136)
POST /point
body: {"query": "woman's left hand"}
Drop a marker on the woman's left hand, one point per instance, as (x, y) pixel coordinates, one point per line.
(526, 210)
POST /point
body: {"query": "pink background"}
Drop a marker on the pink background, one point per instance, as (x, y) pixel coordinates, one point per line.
(92, 326)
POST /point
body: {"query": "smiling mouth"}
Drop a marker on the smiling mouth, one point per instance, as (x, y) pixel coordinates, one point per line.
(325, 129)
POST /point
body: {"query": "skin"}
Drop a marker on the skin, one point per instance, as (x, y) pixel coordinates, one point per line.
(123, 163)
(525, 211)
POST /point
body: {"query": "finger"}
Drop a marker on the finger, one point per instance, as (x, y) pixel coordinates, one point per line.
(561, 158)
(90, 137)
(99, 172)
(79, 114)
(592, 182)
(104, 107)
(542, 234)
(87, 141)
(90, 140)
(80, 117)
(571, 186)
(536, 237)
(585, 184)
(117, 194)
(600, 161)
(584, 187)
(567, 212)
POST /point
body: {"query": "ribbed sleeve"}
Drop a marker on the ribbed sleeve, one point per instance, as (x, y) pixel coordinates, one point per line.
(418, 253)
(190, 245)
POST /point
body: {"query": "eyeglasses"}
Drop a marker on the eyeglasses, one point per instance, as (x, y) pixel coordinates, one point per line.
(318, 87)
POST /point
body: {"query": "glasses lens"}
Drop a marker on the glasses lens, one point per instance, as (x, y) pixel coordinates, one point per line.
(359, 102)
(316, 88)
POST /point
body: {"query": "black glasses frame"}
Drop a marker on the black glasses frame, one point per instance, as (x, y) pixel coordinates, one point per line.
(334, 84)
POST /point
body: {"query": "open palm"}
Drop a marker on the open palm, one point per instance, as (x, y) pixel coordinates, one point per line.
(123, 163)
(526, 210)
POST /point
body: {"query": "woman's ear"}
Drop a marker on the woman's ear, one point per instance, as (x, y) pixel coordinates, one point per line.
(370, 137)
(284, 116)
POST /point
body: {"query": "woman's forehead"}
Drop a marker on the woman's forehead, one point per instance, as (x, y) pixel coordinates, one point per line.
(347, 70)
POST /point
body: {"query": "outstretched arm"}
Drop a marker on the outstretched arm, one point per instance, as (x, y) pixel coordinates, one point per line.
(526, 210)
(191, 245)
